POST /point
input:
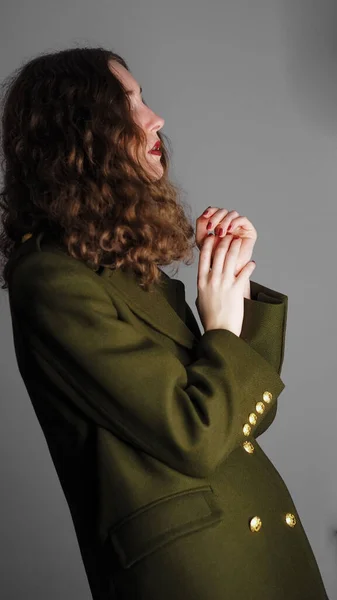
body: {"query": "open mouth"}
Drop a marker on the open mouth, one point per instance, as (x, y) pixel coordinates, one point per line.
(156, 149)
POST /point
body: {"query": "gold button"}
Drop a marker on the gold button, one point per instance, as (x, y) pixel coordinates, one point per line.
(26, 237)
(252, 418)
(248, 446)
(255, 524)
(290, 520)
(260, 408)
(246, 429)
(267, 396)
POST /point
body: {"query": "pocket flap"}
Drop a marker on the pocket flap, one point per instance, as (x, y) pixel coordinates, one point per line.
(159, 523)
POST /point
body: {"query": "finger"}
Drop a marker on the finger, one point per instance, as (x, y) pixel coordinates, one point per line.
(208, 211)
(236, 223)
(215, 215)
(220, 255)
(229, 265)
(211, 210)
(225, 222)
(246, 272)
(204, 264)
(239, 222)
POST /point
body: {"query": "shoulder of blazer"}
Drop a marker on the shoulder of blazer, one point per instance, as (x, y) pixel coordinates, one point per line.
(152, 307)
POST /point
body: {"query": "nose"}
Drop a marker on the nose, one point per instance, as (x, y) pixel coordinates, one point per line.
(155, 121)
(158, 123)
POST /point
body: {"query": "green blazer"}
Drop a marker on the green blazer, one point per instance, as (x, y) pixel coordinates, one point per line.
(154, 431)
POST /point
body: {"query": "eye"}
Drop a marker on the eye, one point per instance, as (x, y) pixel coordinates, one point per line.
(138, 103)
(134, 104)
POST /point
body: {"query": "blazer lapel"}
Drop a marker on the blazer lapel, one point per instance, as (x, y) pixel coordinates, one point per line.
(163, 308)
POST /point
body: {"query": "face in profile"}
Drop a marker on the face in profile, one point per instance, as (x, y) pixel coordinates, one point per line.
(148, 120)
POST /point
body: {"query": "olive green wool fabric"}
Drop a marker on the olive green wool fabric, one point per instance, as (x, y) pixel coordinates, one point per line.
(154, 432)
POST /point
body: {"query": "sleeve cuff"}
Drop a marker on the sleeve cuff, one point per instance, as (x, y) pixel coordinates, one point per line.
(264, 323)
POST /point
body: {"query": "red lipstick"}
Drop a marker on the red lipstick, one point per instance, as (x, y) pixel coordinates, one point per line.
(156, 148)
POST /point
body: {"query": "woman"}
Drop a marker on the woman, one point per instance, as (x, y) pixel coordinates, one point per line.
(152, 426)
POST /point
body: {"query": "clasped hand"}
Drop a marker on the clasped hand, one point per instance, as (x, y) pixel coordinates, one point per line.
(231, 223)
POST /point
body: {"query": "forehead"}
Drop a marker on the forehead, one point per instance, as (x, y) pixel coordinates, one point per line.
(127, 79)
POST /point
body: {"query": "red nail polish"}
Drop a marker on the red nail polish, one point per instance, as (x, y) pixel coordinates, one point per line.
(209, 225)
(220, 231)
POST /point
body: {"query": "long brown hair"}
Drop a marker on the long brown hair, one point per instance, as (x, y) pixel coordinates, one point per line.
(66, 128)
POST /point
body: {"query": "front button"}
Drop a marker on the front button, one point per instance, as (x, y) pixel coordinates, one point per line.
(255, 524)
(260, 408)
(290, 520)
(252, 418)
(248, 446)
(26, 237)
(267, 396)
(246, 429)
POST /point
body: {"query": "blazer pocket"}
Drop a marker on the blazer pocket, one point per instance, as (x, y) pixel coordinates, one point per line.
(163, 521)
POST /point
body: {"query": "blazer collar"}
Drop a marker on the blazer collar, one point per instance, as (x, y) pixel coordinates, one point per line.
(163, 308)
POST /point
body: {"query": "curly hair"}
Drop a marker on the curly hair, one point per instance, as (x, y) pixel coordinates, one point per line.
(66, 129)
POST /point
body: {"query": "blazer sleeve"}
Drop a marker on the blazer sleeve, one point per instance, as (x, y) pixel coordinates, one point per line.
(134, 387)
(264, 329)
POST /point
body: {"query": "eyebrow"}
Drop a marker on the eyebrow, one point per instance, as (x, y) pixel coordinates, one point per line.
(132, 92)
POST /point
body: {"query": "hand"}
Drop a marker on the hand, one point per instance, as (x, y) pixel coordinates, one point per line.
(220, 300)
(241, 228)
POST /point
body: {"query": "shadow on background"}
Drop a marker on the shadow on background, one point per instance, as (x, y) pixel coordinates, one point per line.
(310, 28)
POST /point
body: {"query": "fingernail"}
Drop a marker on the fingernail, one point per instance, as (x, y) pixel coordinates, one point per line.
(209, 225)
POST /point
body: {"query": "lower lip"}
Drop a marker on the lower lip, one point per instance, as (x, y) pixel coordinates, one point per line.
(156, 152)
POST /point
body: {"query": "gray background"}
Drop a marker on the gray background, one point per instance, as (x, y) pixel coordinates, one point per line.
(248, 90)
